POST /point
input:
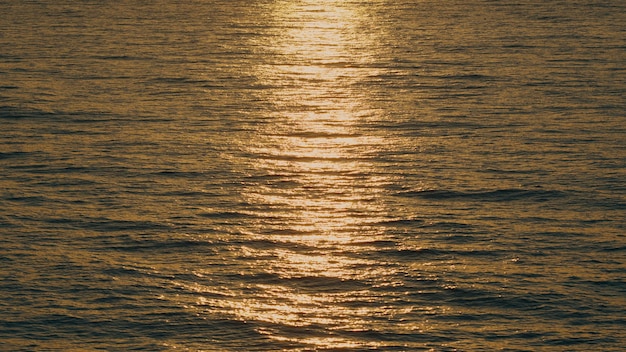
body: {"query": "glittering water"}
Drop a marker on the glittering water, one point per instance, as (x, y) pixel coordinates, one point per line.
(312, 175)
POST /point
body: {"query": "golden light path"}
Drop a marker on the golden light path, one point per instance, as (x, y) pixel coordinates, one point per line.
(327, 196)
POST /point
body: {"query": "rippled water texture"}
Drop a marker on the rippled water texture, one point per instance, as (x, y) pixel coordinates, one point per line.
(307, 175)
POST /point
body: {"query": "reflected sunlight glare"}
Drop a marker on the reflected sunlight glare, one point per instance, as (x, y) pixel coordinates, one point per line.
(325, 197)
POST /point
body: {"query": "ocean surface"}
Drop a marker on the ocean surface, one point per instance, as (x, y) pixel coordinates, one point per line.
(313, 175)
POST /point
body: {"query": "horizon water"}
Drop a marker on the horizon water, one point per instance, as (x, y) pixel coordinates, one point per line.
(304, 175)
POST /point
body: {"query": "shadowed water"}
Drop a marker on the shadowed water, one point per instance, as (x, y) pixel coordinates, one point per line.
(312, 175)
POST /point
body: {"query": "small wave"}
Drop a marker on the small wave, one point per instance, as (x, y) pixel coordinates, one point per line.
(421, 223)
(325, 283)
(311, 134)
(226, 215)
(111, 225)
(8, 112)
(408, 253)
(305, 159)
(163, 246)
(501, 195)
(11, 155)
(439, 253)
(264, 244)
(614, 248)
(119, 57)
(375, 243)
(402, 222)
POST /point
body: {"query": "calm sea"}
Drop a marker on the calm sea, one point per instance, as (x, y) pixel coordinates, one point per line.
(312, 175)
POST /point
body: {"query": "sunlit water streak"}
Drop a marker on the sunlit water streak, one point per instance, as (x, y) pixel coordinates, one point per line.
(312, 175)
(321, 193)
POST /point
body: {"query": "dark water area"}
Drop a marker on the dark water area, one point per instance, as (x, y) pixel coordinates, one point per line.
(304, 175)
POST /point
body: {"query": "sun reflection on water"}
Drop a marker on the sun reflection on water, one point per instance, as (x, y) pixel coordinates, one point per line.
(322, 198)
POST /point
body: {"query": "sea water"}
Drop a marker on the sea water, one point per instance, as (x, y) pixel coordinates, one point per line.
(299, 175)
